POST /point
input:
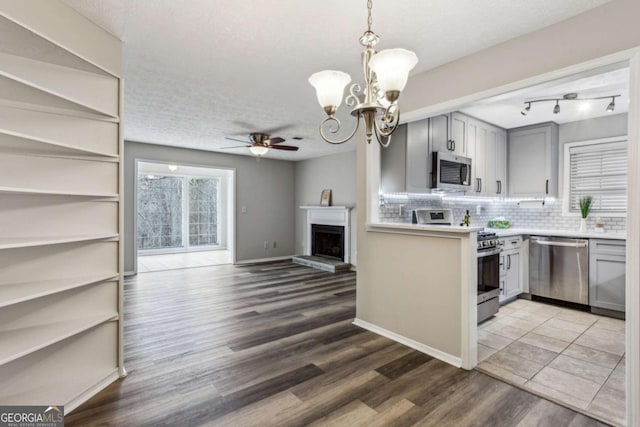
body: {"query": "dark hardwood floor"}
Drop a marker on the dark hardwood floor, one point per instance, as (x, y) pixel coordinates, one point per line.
(273, 344)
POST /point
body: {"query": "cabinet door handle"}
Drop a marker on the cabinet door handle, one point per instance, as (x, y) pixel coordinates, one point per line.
(480, 179)
(508, 262)
(547, 187)
(453, 145)
(498, 184)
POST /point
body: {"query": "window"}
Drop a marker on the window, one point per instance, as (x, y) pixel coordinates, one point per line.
(597, 169)
(178, 212)
(159, 212)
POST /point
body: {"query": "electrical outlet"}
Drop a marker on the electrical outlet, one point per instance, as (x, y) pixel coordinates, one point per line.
(274, 244)
(266, 244)
(401, 210)
(244, 209)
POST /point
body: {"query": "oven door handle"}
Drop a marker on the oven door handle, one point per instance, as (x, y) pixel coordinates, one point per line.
(482, 254)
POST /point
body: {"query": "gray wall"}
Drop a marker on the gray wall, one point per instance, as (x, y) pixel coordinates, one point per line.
(337, 172)
(266, 188)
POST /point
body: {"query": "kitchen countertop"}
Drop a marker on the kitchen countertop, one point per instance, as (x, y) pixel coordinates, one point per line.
(556, 233)
(400, 226)
(454, 229)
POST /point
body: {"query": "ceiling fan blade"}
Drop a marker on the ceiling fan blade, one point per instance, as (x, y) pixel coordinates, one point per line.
(277, 129)
(284, 147)
(237, 140)
(235, 146)
(276, 140)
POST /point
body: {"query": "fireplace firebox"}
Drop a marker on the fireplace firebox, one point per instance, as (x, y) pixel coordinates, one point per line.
(327, 241)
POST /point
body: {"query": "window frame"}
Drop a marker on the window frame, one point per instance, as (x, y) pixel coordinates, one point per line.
(186, 247)
(566, 164)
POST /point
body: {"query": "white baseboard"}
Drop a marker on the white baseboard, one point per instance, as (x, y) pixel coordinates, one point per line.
(440, 355)
(260, 260)
(89, 393)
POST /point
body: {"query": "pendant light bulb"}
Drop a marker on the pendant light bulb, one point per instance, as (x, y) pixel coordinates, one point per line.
(612, 105)
(556, 109)
(526, 110)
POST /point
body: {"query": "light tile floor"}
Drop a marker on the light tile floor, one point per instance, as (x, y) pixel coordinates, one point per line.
(148, 263)
(571, 357)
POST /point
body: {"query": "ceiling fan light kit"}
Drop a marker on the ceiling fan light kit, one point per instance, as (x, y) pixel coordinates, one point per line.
(385, 77)
(571, 97)
(258, 150)
(261, 143)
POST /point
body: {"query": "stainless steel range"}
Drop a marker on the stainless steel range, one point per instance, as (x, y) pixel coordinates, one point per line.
(488, 275)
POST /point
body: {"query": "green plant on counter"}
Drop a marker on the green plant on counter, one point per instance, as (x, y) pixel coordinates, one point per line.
(499, 223)
(585, 206)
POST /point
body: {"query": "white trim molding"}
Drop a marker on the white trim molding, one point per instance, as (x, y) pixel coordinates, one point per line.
(262, 260)
(329, 215)
(632, 290)
(440, 355)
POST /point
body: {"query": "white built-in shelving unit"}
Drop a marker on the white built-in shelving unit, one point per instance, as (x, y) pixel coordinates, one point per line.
(60, 205)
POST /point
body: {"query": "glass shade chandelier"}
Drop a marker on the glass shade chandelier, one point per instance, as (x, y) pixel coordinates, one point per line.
(385, 76)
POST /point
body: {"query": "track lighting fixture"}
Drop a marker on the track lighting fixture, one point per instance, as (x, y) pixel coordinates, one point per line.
(569, 97)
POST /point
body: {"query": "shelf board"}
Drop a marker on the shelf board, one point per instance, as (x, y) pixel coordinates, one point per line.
(26, 242)
(17, 343)
(15, 94)
(94, 92)
(17, 190)
(43, 392)
(16, 293)
(16, 143)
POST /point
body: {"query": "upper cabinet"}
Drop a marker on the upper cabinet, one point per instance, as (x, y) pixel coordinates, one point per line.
(458, 143)
(418, 175)
(487, 147)
(533, 161)
(392, 163)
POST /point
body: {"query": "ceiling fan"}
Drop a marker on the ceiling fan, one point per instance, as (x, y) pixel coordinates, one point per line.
(259, 143)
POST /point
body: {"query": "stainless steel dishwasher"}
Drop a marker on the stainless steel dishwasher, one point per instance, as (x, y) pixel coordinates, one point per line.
(559, 268)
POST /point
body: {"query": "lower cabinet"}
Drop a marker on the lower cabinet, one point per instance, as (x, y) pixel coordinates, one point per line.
(511, 277)
(607, 263)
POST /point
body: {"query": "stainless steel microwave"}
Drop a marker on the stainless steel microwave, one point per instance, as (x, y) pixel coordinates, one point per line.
(451, 172)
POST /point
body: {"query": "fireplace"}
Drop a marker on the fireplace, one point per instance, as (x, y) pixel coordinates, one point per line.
(327, 241)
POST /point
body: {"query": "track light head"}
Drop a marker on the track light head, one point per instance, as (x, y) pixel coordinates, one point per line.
(526, 110)
(556, 109)
(612, 105)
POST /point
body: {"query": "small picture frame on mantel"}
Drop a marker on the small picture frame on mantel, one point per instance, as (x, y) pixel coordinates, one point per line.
(325, 198)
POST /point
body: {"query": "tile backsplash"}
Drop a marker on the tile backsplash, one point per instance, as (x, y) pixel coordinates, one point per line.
(547, 217)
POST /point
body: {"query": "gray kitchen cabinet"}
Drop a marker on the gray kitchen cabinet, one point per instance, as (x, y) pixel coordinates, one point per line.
(418, 159)
(533, 161)
(607, 263)
(501, 178)
(439, 133)
(486, 146)
(511, 269)
(393, 163)
(458, 131)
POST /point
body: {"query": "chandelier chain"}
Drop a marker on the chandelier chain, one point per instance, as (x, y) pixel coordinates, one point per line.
(369, 18)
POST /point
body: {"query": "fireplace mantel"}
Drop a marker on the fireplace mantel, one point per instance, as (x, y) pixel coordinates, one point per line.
(329, 215)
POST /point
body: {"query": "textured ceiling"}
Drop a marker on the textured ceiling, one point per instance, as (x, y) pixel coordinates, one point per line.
(198, 70)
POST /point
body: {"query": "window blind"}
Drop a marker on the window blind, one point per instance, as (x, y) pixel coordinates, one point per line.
(600, 171)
